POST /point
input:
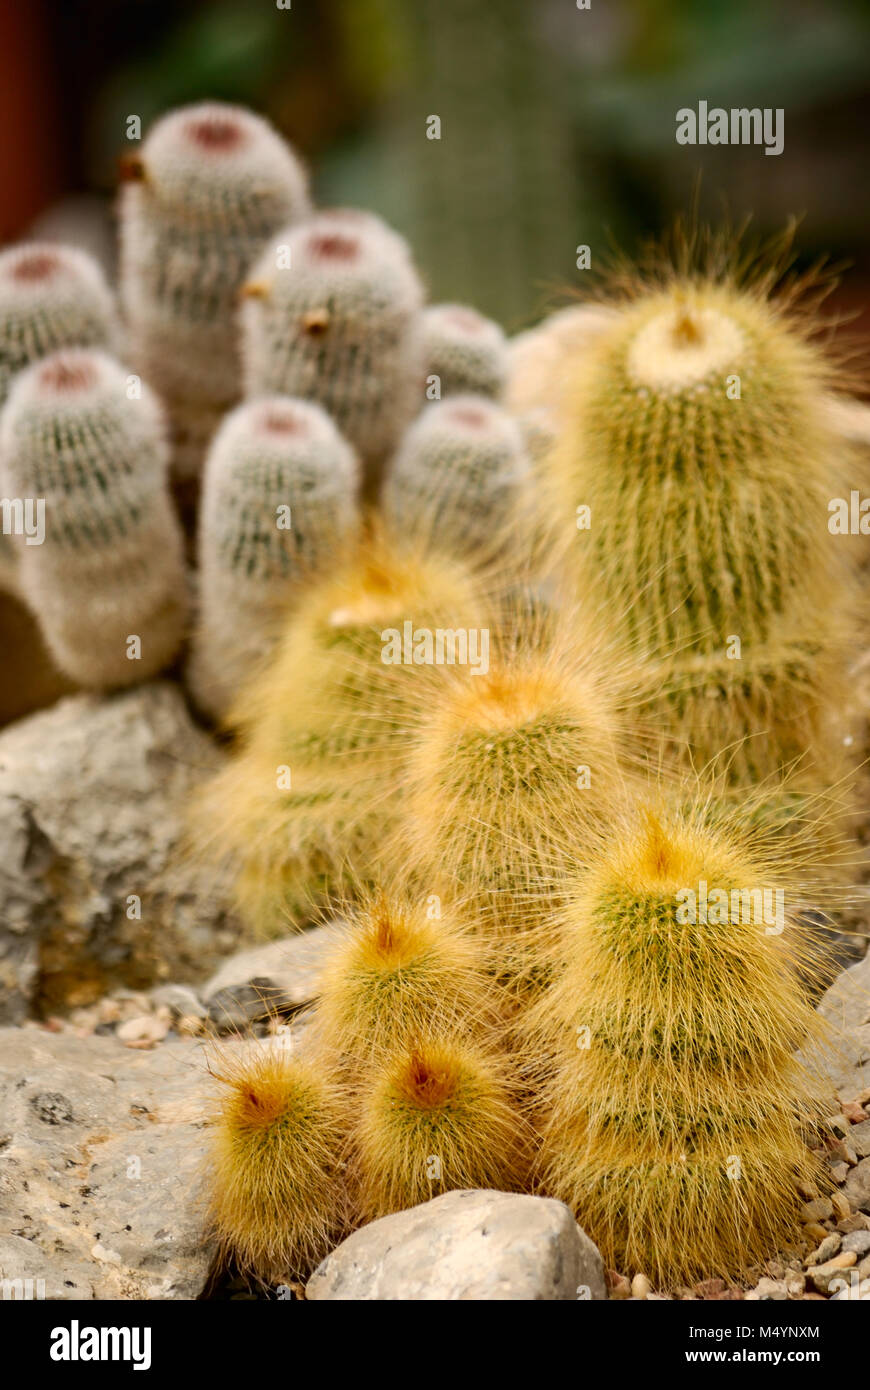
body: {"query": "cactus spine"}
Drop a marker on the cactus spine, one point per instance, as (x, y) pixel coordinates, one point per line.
(332, 313)
(109, 570)
(459, 478)
(278, 505)
(466, 352)
(211, 184)
(51, 297)
(671, 1117)
(275, 1179)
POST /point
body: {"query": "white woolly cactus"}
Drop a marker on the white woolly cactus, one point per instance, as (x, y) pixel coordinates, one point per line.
(51, 296)
(332, 314)
(458, 476)
(106, 581)
(210, 185)
(279, 502)
(464, 350)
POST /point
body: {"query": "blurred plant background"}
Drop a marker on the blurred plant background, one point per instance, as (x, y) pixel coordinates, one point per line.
(557, 123)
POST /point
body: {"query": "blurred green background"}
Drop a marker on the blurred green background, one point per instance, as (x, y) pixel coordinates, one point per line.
(557, 123)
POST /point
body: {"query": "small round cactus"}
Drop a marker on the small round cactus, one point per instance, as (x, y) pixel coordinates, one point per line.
(459, 478)
(466, 352)
(670, 1119)
(536, 378)
(400, 974)
(437, 1117)
(51, 297)
(86, 442)
(209, 187)
(279, 504)
(332, 314)
(277, 1201)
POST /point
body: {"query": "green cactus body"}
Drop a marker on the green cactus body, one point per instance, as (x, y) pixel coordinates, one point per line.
(505, 764)
(459, 478)
(671, 1116)
(51, 297)
(465, 351)
(211, 185)
(110, 566)
(332, 314)
(279, 505)
(333, 714)
(697, 438)
(434, 1118)
(277, 1202)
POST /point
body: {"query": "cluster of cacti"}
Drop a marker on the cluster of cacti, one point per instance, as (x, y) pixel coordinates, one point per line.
(650, 1082)
(106, 579)
(406, 1090)
(208, 188)
(417, 698)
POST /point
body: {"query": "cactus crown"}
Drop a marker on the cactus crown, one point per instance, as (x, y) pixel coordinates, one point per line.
(51, 297)
(214, 162)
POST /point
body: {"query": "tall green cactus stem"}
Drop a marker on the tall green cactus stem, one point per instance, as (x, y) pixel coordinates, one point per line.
(504, 765)
(279, 505)
(460, 478)
(464, 350)
(209, 187)
(109, 570)
(695, 431)
(311, 792)
(51, 297)
(332, 314)
(671, 1116)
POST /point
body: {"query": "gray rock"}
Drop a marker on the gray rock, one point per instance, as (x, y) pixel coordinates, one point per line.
(846, 1006)
(277, 978)
(93, 799)
(469, 1246)
(856, 1188)
(101, 1163)
(181, 1000)
(859, 1241)
(859, 1138)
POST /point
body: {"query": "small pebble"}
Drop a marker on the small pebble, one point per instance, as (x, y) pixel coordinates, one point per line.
(767, 1290)
(618, 1285)
(837, 1124)
(795, 1284)
(840, 1203)
(710, 1288)
(144, 1031)
(640, 1286)
(829, 1247)
(820, 1209)
(839, 1172)
(821, 1277)
(814, 1233)
(853, 1111)
(859, 1241)
(856, 1222)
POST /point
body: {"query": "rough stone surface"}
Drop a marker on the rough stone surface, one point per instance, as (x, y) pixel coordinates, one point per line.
(100, 1156)
(846, 1005)
(856, 1188)
(93, 795)
(279, 978)
(475, 1246)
